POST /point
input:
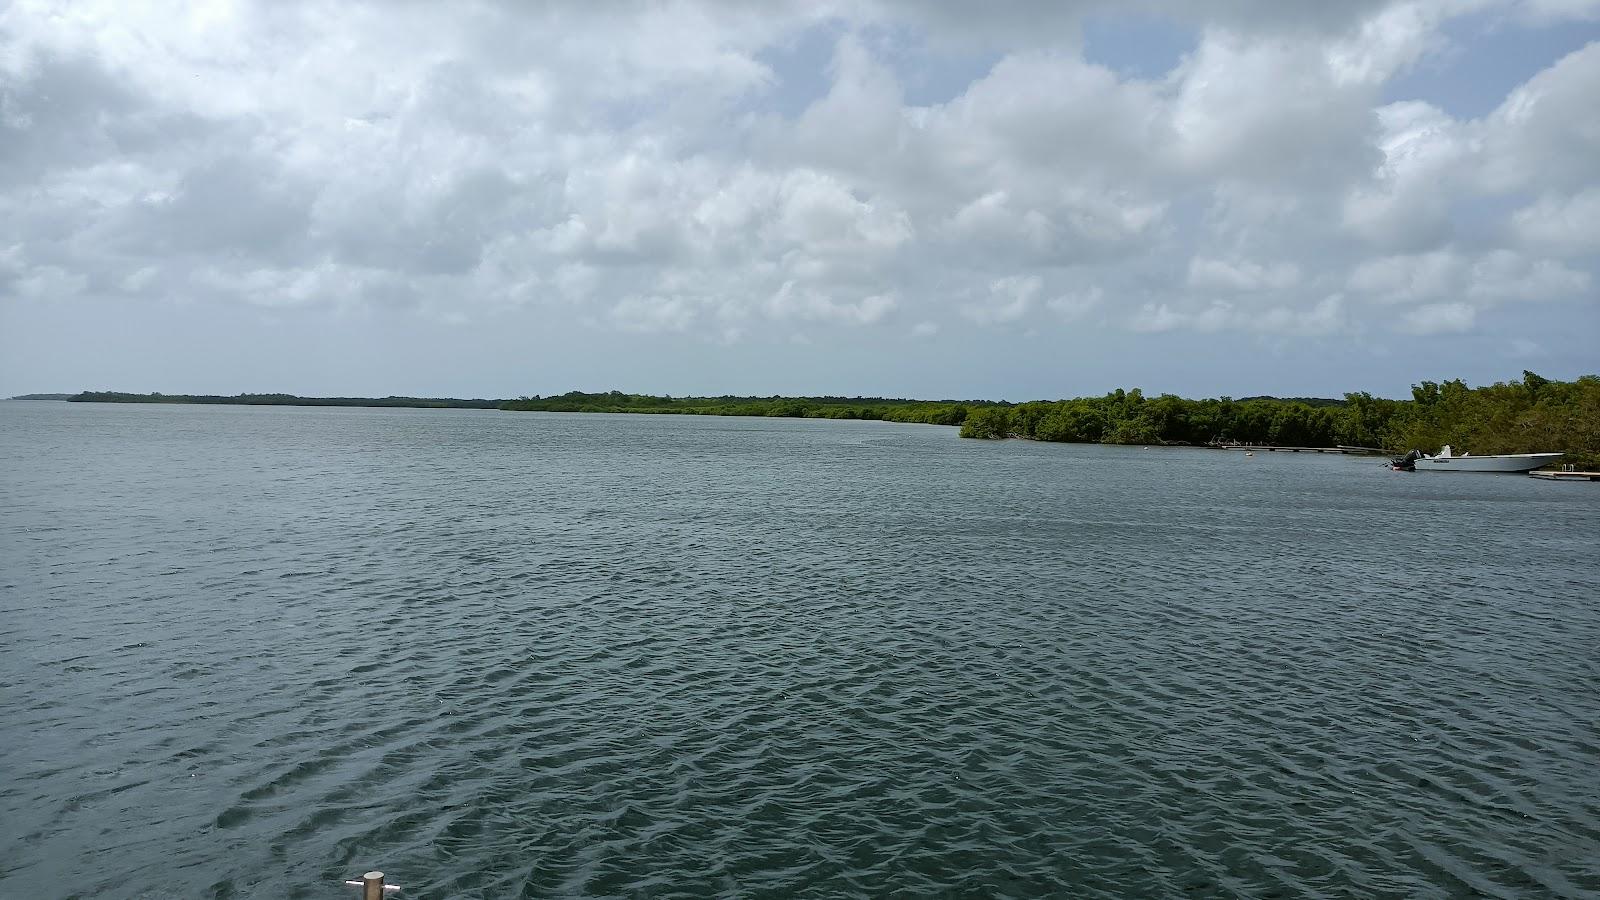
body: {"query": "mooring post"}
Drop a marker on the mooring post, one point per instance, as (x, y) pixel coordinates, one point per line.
(372, 886)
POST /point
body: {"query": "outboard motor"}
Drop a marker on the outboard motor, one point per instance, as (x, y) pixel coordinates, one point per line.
(1407, 463)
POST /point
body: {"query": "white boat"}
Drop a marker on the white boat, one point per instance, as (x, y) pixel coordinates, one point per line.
(1447, 461)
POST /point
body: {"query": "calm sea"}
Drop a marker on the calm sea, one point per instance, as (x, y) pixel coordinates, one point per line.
(250, 652)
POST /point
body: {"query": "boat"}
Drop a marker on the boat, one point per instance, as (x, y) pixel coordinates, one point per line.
(1446, 461)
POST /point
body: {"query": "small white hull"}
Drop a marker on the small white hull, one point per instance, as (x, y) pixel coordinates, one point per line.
(1516, 462)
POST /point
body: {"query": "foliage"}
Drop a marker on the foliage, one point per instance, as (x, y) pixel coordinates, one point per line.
(989, 422)
(1525, 416)
(932, 412)
(284, 400)
(1531, 415)
(1128, 417)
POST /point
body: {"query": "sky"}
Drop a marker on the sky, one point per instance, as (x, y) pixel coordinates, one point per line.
(1014, 199)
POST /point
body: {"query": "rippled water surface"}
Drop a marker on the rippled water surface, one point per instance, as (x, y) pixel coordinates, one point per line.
(252, 652)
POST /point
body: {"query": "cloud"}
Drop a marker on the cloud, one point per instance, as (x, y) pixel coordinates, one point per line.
(1007, 300)
(1409, 278)
(1523, 348)
(1326, 316)
(1544, 135)
(1242, 275)
(794, 302)
(1557, 11)
(650, 314)
(47, 283)
(1407, 202)
(1439, 318)
(1494, 277)
(1075, 305)
(659, 171)
(820, 214)
(1507, 275)
(1566, 225)
(1159, 317)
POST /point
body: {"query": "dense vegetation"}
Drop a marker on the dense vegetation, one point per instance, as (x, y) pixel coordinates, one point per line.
(284, 400)
(1129, 417)
(1532, 414)
(1525, 416)
(932, 412)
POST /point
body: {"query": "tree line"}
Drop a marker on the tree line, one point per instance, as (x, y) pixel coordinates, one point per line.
(284, 400)
(1531, 415)
(930, 412)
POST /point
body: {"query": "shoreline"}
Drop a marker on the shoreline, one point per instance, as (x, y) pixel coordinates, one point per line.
(1533, 414)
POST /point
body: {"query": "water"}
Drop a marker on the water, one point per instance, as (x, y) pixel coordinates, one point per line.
(252, 652)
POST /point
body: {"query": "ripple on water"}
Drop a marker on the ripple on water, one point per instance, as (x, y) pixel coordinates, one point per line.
(250, 652)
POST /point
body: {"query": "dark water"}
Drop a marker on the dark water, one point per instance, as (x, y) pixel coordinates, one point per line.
(251, 652)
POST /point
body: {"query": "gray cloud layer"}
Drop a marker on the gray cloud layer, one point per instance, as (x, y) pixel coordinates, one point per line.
(635, 168)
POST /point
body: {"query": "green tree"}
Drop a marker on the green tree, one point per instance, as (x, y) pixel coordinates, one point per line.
(991, 422)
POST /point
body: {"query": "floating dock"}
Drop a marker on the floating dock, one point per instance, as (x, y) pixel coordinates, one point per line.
(1567, 476)
(1273, 448)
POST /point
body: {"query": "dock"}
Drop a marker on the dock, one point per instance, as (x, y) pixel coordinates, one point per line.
(1273, 448)
(1567, 476)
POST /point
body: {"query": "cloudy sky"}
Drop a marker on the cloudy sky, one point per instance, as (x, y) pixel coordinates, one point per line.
(1009, 199)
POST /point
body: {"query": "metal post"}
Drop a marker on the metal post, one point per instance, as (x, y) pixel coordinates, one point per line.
(372, 885)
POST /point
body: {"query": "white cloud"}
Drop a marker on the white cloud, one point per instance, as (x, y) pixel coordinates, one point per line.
(1053, 110)
(1073, 306)
(1439, 318)
(575, 280)
(857, 125)
(660, 172)
(1007, 300)
(1406, 205)
(649, 314)
(1158, 317)
(1546, 135)
(820, 213)
(1326, 316)
(1268, 109)
(1486, 280)
(1409, 278)
(1387, 42)
(48, 283)
(1508, 275)
(795, 302)
(1568, 225)
(1546, 12)
(1242, 275)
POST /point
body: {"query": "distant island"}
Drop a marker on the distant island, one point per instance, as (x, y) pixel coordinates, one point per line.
(930, 412)
(280, 400)
(42, 397)
(1528, 415)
